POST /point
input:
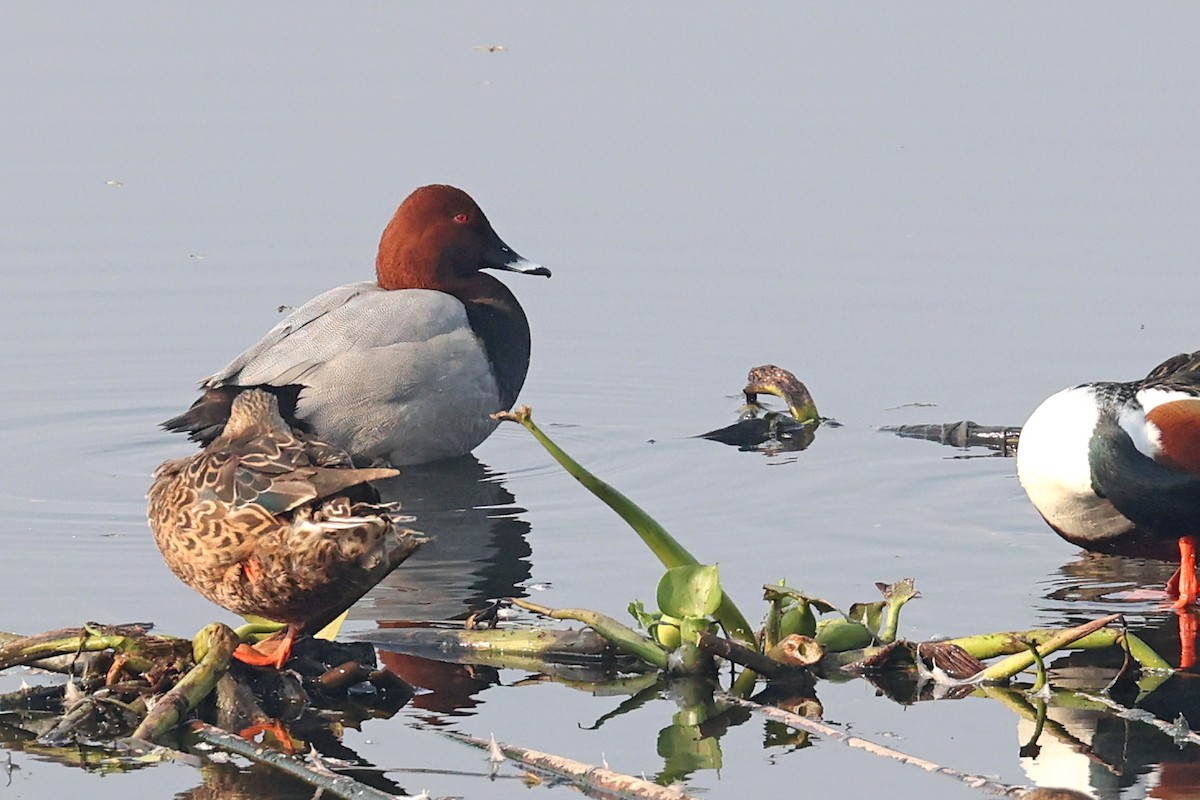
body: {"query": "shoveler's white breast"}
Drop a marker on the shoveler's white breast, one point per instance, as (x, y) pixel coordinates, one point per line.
(1053, 468)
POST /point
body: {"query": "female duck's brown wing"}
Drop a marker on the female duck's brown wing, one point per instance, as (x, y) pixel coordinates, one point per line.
(252, 523)
(263, 462)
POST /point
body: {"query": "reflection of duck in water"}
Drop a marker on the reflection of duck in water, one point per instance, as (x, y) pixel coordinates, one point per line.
(1094, 584)
(1092, 748)
(1115, 467)
(964, 434)
(480, 553)
(774, 431)
(479, 550)
(269, 522)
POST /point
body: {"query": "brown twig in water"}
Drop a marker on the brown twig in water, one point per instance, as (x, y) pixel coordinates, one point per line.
(738, 654)
(1177, 730)
(820, 729)
(588, 778)
(132, 639)
(324, 780)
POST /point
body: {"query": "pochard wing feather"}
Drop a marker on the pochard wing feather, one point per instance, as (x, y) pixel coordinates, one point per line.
(394, 375)
(315, 309)
(443, 385)
(351, 319)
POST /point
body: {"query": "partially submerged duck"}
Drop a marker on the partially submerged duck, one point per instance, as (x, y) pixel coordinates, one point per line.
(1115, 467)
(403, 369)
(269, 522)
(1001, 439)
(778, 431)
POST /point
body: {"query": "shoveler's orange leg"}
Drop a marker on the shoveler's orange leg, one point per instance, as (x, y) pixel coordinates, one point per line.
(268, 653)
(276, 729)
(1184, 586)
(1173, 585)
(1189, 623)
(1187, 584)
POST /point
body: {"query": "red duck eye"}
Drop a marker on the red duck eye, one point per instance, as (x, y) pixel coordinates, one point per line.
(461, 218)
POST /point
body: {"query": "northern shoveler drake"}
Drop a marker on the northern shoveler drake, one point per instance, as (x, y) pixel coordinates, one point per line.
(404, 369)
(274, 523)
(1115, 467)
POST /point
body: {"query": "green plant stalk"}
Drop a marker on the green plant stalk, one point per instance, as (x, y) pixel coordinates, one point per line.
(15, 653)
(899, 594)
(1041, 679)
(771, 635)
(610, 687)
(624, 638)
(194, 686)
(1087, 636)
(891, 622)
(459, 645)
(669, 551)
(832, 662)
(990, 645)
(256, 628)
(743, 685)
(1035, 712)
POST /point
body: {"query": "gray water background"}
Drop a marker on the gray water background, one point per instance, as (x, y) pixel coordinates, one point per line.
(963, 205)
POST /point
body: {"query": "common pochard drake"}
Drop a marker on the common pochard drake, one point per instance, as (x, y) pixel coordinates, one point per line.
(272, 522)
(1115, 467)
(407, 368)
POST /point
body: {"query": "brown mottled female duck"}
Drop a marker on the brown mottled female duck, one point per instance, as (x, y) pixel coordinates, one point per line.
(271, 522)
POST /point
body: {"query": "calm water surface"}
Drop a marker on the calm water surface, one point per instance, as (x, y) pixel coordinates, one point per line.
(957, 206)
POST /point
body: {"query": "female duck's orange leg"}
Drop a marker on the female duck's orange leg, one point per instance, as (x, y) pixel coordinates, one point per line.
(276, 729)
(269, 653)
(1188, 586)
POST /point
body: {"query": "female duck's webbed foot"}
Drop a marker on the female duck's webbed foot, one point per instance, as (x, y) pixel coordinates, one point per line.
(272, 652)
(276, 729)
